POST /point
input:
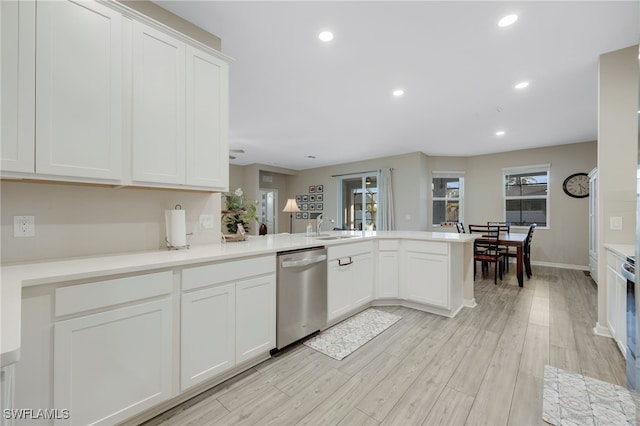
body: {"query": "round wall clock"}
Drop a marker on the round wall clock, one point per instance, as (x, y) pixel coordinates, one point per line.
(576, 185)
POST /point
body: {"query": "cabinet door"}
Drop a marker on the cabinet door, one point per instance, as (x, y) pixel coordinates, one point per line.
(339, 288)
(428, 279)
(158, 107)
(207, 120)
(388, 273)
(79, 103)
(208, 334)
(17, 140)
(255, 317)
(362, 280)
(112, 365)
(621, 312)
(612, 302)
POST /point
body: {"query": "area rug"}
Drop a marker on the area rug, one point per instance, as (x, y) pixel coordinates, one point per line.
(574, 399)
(344, 338)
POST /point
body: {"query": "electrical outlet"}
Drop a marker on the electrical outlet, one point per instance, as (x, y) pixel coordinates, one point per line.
(206, 221)
(24, 226)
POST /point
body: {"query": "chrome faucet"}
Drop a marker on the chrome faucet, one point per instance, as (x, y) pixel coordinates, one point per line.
(319, 224)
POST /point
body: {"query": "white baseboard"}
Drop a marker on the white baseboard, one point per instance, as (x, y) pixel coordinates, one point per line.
(562, 265)
(599, 330)
(469, 303)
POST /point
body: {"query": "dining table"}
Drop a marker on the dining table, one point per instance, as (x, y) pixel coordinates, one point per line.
(517, 240)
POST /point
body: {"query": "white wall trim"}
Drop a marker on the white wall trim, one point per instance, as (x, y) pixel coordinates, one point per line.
(562, 265)
(469, 303)
(599, 330)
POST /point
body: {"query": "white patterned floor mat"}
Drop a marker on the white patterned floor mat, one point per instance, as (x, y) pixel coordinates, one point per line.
(344, 338)
(574, 399)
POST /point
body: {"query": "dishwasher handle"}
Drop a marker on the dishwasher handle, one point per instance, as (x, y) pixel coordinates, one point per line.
(303, 262)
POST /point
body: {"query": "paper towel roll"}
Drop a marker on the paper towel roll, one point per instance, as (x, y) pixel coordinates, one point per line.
(176, 226)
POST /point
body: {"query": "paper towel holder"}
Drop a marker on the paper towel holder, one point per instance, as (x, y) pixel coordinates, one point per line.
(171, 246)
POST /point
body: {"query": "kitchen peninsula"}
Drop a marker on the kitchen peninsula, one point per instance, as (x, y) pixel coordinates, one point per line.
(145, 313)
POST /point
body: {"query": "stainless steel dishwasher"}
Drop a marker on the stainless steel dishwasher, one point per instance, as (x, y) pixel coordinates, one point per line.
(302, 294)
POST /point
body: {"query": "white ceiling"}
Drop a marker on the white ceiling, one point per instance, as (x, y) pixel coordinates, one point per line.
(292, 96)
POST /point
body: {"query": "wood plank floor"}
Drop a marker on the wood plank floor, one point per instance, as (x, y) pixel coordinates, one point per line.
(484, 367)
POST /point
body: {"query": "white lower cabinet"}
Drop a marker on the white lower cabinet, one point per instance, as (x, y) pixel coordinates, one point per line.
(388, 272)
(427, 273)
(255, 317)
(616, 301)
(207, 334)
(228, 316)
(350, 278)
(111, 365)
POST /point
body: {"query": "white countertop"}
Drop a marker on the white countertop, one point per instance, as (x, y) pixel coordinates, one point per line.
(17, 276)
(624, 250)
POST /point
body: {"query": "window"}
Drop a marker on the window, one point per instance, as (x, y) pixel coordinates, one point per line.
(526, 195)
(358, 201)
(448, 193)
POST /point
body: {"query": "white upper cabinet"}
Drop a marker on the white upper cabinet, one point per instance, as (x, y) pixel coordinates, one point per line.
(180, 113)
(207, 120)
(79, 90)
(18, 86)
(158, 106)
(95, 92)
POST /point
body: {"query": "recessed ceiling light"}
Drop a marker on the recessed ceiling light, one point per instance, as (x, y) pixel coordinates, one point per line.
(522, 85)
(507, 20)
(310, 157)
(500, 133)
(325, 36)
(398, 92)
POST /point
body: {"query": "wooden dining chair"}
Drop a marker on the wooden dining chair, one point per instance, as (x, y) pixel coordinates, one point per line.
(507, 253)
(527, 250)
(460, 227)
(486, 250)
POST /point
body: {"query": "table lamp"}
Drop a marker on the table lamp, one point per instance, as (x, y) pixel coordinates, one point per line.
(291, 207)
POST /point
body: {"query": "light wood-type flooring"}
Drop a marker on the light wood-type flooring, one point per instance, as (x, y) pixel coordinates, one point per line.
(483, 367)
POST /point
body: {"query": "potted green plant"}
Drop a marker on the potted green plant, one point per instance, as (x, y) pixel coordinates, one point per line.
(239, 211)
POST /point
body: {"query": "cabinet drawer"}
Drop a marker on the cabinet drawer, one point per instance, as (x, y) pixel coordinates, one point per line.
(388, 245)
(202, 276)
(346, 250)
(427, 247)
(100, 294)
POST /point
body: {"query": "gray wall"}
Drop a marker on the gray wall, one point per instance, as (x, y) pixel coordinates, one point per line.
(409, 183)
(566, 239)
(617, 156)
(84, 220)
(565, 242)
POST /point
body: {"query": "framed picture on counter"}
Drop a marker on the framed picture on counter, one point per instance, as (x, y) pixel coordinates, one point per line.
(319, 197)
(319, 206)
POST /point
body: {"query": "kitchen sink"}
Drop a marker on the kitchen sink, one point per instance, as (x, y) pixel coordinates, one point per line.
(336, 237)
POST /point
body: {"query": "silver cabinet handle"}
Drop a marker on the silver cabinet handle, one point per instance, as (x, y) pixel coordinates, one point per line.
(345, 264)
(303, 262)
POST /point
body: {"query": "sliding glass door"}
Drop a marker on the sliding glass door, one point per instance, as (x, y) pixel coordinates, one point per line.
(358, 201)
